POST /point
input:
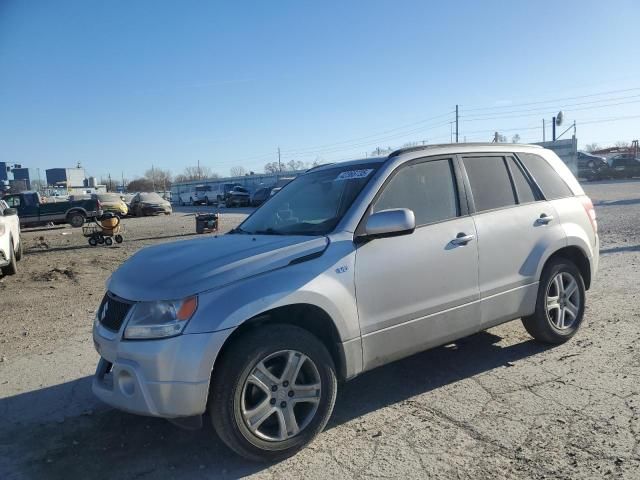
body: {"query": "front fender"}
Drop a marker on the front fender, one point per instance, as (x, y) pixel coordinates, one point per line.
(326, 282)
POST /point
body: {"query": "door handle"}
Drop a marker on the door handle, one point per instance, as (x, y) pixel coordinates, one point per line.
(462, 239)
(544, 219)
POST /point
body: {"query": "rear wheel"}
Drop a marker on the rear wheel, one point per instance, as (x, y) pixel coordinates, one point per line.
(560, 303)
(272, 392)
(108, 241)
(12, 267)
(93, 241)
(75, 219)
(118, 238)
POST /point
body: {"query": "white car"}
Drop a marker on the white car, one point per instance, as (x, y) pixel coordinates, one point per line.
(10, 245)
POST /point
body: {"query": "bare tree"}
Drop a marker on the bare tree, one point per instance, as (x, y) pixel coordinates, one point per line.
(272, 167)
(296, 165)
(196, 173)
(160, 179)
(237, 171)
(515, 138)
(591, 147)
(622, 144)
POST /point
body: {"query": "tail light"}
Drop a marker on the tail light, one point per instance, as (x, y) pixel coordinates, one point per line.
(591, 212)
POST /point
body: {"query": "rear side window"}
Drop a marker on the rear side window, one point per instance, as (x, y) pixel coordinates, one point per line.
(546, 177)
(490, 183)
(427, 188)
(523, 187)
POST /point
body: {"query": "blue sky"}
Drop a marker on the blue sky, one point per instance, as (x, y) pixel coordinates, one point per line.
(123, 85)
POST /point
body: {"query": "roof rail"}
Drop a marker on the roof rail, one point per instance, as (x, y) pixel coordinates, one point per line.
(318, 166)
(417, 148)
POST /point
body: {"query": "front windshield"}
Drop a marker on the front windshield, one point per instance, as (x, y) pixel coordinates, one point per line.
(312, 204)
(109, 197)
(151, 197)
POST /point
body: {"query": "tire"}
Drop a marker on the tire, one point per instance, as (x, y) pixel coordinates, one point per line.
(100, 239)
(230, 389)
(108, 241)
(76, 219)
(118, 238)
(556, 324)
(19, 252)
(93, 241)
(12, 268)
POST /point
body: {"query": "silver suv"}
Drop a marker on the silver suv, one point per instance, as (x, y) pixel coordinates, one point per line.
(351, 266)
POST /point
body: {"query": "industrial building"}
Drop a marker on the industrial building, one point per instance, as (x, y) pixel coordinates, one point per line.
(28, 175)
(67, 177)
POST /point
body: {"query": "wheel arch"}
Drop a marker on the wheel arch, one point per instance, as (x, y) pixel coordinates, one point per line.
(309, 317)
(73, 210)
(578, 257)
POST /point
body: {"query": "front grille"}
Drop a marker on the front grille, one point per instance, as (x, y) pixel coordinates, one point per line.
(112, 312)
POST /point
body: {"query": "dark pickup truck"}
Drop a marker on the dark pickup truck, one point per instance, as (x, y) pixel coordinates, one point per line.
(33, 211)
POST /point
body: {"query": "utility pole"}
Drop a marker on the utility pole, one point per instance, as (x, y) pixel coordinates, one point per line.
(279, 162)
(553, 129)
(457, 116)
(122, 181)
(544, 135)
(495, 137)
(110, 188)
(198, 169)
(153, 176)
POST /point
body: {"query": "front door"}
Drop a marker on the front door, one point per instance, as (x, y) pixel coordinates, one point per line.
(419, 290)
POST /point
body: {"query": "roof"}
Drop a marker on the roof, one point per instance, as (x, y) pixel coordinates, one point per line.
(460, 145)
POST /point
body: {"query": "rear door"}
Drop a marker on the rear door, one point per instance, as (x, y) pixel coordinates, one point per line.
(515, 227)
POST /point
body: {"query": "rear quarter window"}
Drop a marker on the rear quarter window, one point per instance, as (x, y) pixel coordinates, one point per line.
(546, 177)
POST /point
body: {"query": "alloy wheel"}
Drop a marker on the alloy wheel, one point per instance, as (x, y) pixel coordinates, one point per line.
(280, 397)
(563, 301)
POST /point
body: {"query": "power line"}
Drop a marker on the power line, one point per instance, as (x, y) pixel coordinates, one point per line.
(556, 100)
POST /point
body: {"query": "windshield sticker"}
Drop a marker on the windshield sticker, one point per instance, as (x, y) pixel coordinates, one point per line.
(351, 174)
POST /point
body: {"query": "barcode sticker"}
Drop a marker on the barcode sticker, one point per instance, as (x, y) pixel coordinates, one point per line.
(351, 174)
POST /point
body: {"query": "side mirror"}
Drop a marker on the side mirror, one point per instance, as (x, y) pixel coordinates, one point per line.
(390, 223)
(9, 211)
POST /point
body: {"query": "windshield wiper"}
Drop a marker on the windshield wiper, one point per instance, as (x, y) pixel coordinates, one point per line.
(238, 230)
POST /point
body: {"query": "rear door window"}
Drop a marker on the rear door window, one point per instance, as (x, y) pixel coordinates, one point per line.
(427, 188)
(524, 188)
(490, 183)
(546, 177)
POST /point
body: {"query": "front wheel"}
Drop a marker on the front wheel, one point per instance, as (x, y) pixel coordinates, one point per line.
(12, 267)
(272, 392)
(560, 303)
(76, 220)
(19, 252)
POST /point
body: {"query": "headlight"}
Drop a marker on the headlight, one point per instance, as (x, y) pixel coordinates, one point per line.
(160, 319)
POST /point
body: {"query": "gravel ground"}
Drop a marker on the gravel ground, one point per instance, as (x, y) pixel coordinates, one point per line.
(493, 405)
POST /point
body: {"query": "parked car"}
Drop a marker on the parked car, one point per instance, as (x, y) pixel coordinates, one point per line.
(10, 244)
(33, 210)
(592, 167)
(351, 266)
(624, 166)
(260, 196)
(237, 197)
(127, 198)
(113, 203)
(149, 203)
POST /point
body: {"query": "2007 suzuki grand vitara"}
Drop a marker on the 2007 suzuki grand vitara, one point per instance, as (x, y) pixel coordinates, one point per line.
(351, 266)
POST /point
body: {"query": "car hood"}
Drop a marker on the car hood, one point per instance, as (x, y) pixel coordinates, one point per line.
(176, 270)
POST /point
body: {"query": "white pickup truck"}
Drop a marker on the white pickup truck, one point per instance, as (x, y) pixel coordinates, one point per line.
(10, 244)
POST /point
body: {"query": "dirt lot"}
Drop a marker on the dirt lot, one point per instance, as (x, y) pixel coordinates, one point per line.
(494, 405)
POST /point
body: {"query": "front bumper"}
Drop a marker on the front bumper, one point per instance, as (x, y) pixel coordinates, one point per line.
(163, 378)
